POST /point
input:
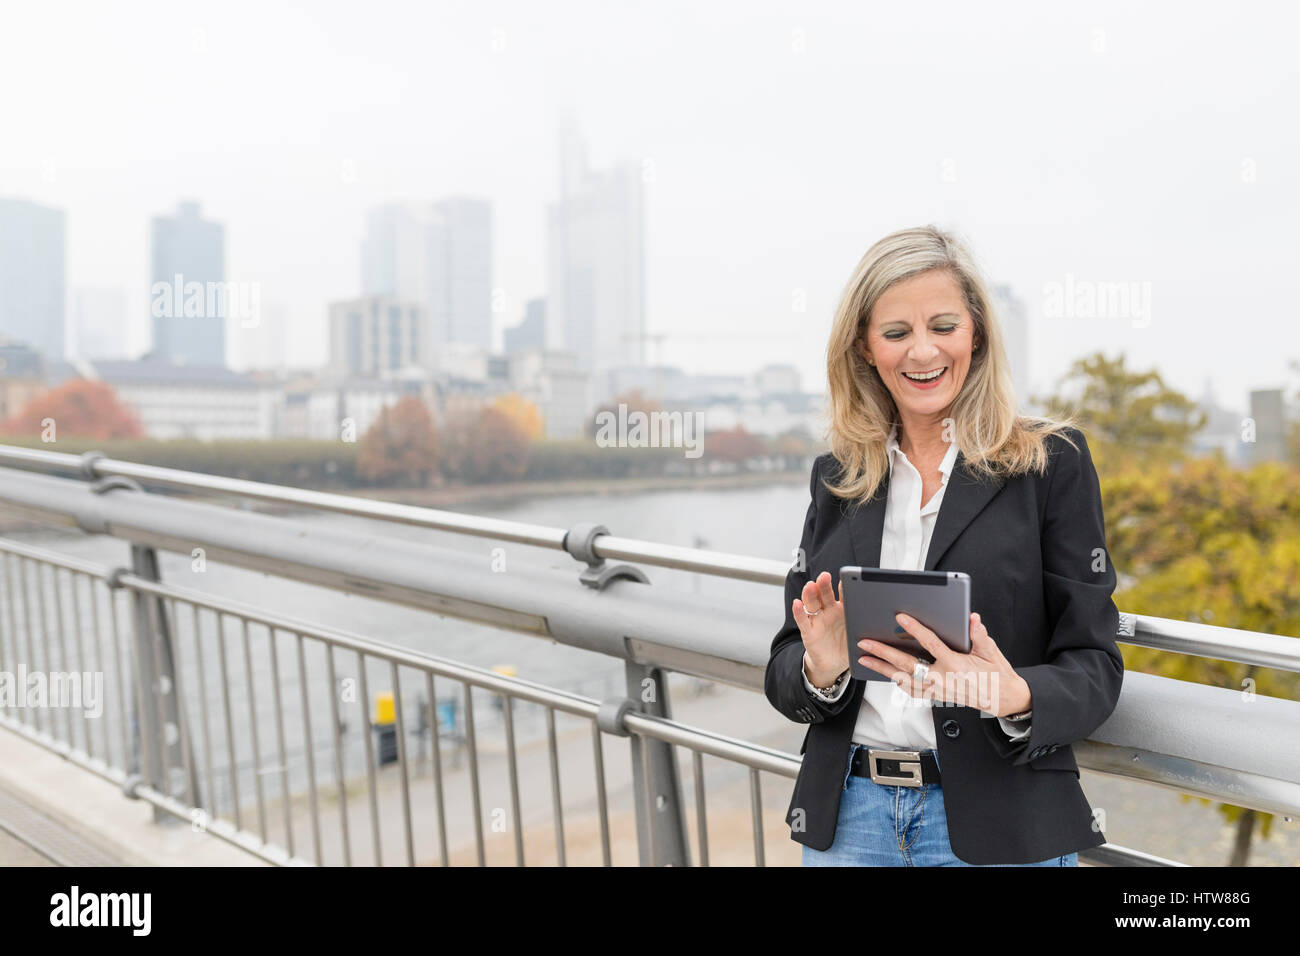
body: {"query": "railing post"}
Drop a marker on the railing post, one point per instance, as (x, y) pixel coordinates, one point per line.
(660, 814)
(158, 723)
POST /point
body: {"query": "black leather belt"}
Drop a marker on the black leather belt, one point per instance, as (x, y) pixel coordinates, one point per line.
(896, 768)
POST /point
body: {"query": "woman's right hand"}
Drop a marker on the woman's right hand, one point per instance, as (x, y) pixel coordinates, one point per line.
(824, 643)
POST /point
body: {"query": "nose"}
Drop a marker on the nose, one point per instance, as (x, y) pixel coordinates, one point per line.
(923, 349)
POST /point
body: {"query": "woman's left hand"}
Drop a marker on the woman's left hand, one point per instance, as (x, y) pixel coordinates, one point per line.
(983, 679)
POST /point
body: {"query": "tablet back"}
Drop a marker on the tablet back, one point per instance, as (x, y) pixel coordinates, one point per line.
(872, 596)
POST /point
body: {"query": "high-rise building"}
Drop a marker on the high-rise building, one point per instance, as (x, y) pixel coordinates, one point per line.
(98, 323)
(439, 255)
(531, 332)
(32, 276)
(1268, 411)
(1015, 334)
(596, 261)
(189, 298)
(374, 335)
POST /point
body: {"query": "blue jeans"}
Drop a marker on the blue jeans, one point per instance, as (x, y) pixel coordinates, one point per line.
(882, 825)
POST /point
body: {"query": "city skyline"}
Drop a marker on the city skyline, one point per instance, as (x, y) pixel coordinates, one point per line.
(760, 198)
(82, 300)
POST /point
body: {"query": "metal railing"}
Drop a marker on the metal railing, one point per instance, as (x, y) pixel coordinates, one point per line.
(1192, 738)
(35, 581)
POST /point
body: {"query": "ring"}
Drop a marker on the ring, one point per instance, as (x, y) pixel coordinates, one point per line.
(808, 613)
(920, 671)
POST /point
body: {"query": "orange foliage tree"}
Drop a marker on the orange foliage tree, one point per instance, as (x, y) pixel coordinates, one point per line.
(523, 412)
(635, 400)
(80, 409)
(485, 446)
(733, 444)
(400, 447)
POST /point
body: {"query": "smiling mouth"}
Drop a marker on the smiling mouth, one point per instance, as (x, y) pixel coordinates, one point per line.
(925, 378)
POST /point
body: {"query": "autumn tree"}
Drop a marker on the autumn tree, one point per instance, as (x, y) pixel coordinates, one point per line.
(1213, 544)
(793, 446)
(733, 444)
(400, 447)
(1191, 539)
(1127, 415)
(523, 413)
(486, 445)
(635, 401)
(77, 409)
(1293, 429)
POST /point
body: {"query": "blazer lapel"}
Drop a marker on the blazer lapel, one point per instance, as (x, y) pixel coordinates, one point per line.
(867, 528)
(963, 499)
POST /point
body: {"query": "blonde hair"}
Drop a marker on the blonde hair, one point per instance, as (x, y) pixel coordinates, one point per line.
(995, 440)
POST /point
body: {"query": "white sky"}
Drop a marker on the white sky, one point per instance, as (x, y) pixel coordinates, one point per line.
(785, 139)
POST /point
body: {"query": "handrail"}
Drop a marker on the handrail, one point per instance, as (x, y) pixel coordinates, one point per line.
(1183, 637)
(94, 466)
(1187, 736)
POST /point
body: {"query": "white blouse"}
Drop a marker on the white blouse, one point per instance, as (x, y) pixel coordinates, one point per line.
(889, 718)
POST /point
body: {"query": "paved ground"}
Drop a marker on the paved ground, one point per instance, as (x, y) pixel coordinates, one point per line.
(1138, 815)
(16, 853)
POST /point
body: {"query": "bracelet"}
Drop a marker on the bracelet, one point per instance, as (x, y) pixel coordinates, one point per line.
(1018, 716)
(834, 684)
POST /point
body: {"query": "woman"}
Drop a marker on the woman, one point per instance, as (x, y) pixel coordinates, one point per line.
(931, 468)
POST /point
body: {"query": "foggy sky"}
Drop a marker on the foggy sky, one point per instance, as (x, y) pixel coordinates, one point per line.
(1106, 143)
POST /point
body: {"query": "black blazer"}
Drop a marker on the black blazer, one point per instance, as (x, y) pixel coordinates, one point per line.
(1041, 580)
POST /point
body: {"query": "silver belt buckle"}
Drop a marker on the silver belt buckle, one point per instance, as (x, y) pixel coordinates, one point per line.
(909, 765)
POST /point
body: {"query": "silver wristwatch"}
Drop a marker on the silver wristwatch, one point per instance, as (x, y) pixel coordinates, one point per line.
(1021, 716)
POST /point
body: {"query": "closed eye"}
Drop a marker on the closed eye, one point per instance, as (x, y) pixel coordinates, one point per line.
(894, 336)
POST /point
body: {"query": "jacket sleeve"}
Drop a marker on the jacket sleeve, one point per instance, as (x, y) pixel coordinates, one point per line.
(784, 680)
(1077, 687)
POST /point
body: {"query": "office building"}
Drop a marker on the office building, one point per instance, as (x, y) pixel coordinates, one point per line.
(32, 277)
(553, 382)
(438, 255)
(1015, 339)
(596, 261)
(1268, 411)
(189, 299)
(531, 332)
(374, 336)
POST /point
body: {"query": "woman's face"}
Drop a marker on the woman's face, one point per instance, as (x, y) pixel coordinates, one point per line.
(918, 328)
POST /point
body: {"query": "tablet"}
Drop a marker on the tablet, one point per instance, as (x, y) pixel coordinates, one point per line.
(872, 596)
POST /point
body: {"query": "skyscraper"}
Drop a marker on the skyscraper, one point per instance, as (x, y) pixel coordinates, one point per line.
(438, 255)
(531, 332)
(596, 261)
(188, 298)
(32, 276)
(1015, 333)
(1268, 410)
